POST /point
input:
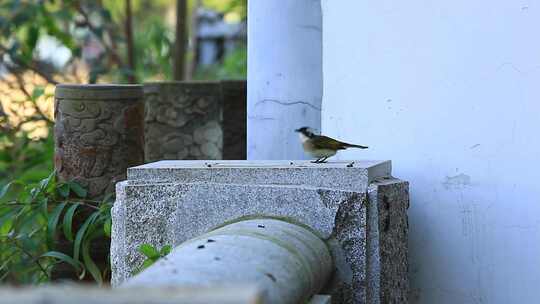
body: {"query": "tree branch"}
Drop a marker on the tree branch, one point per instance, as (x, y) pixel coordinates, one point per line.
(179, 53)
(32, 67)
(42, 115)
(193, 45)
(129, 43)
(114, 55)
(28, 254)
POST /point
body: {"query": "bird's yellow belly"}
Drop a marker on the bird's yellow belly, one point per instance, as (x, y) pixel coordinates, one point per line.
(319, 153)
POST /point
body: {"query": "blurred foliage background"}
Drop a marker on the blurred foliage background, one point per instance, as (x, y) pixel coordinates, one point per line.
(46, 42)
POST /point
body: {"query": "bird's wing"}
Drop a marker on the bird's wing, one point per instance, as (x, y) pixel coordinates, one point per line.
(325, 142)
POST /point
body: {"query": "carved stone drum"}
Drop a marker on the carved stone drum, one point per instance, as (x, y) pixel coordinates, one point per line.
(99, 133)
(183, 120)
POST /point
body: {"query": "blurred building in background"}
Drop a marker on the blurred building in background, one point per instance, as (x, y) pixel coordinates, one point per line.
(216, 37)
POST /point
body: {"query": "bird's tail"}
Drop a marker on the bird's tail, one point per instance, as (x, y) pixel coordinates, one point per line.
(346, 145)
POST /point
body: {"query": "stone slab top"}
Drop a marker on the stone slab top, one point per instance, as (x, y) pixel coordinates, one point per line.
(181, 82)
(354, 175)
(98, 91)
(216, 164)
(204, 87)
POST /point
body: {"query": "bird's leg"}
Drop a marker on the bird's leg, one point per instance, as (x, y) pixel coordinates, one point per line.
(316, 161)
(323, 160)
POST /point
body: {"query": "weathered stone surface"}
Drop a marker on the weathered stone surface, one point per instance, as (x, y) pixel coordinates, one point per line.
(211, 113)
(69, 294)
(333, 175)
(390, 218)
(162, 214)
(210, 149)
(382, 276)
(288, 262)
(171, 202)
(179, 110)
(98, 134)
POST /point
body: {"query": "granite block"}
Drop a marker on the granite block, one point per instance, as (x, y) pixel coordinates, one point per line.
(358, 209)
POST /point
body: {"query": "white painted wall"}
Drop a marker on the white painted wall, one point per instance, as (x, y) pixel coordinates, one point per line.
(450, 92)
(284, 75)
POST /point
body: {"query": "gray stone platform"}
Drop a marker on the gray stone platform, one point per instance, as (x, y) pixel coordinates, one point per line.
(342, 175)
(357, 207)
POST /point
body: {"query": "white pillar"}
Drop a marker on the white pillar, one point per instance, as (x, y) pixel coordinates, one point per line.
(284, 76)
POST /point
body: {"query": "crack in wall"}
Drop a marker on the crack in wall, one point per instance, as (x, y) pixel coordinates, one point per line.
(292, 103)
(310, 27)
(261, 118)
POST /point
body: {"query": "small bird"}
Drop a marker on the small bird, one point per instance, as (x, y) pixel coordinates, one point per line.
(321, 147)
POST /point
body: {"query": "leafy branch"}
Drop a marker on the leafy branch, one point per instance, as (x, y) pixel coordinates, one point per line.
(33, 66)
(152, 255)
(33, 221)
(98, 32)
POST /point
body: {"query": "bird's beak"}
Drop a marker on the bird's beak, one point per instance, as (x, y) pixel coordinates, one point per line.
(297, 130)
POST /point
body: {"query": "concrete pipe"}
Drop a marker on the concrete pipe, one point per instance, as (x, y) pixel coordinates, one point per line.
(287, 262)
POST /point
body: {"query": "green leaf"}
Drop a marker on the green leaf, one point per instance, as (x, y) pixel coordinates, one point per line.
(32, 37)
(6, 261)
(107, 199)
(106, 14)
(63, 14)
(107, 227)
(63, 190)
(78, 189)
(43, 205)
(34, 192)
(47, 181)
(5, 218)
(53, 221)
(67, 259)
(80, 234)
(37, 92)
(149, 251)
(105, 208)
(89, 263)
(43, 185)
(147, 263)
(5, 189)
(165, 250)
(68, 221)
